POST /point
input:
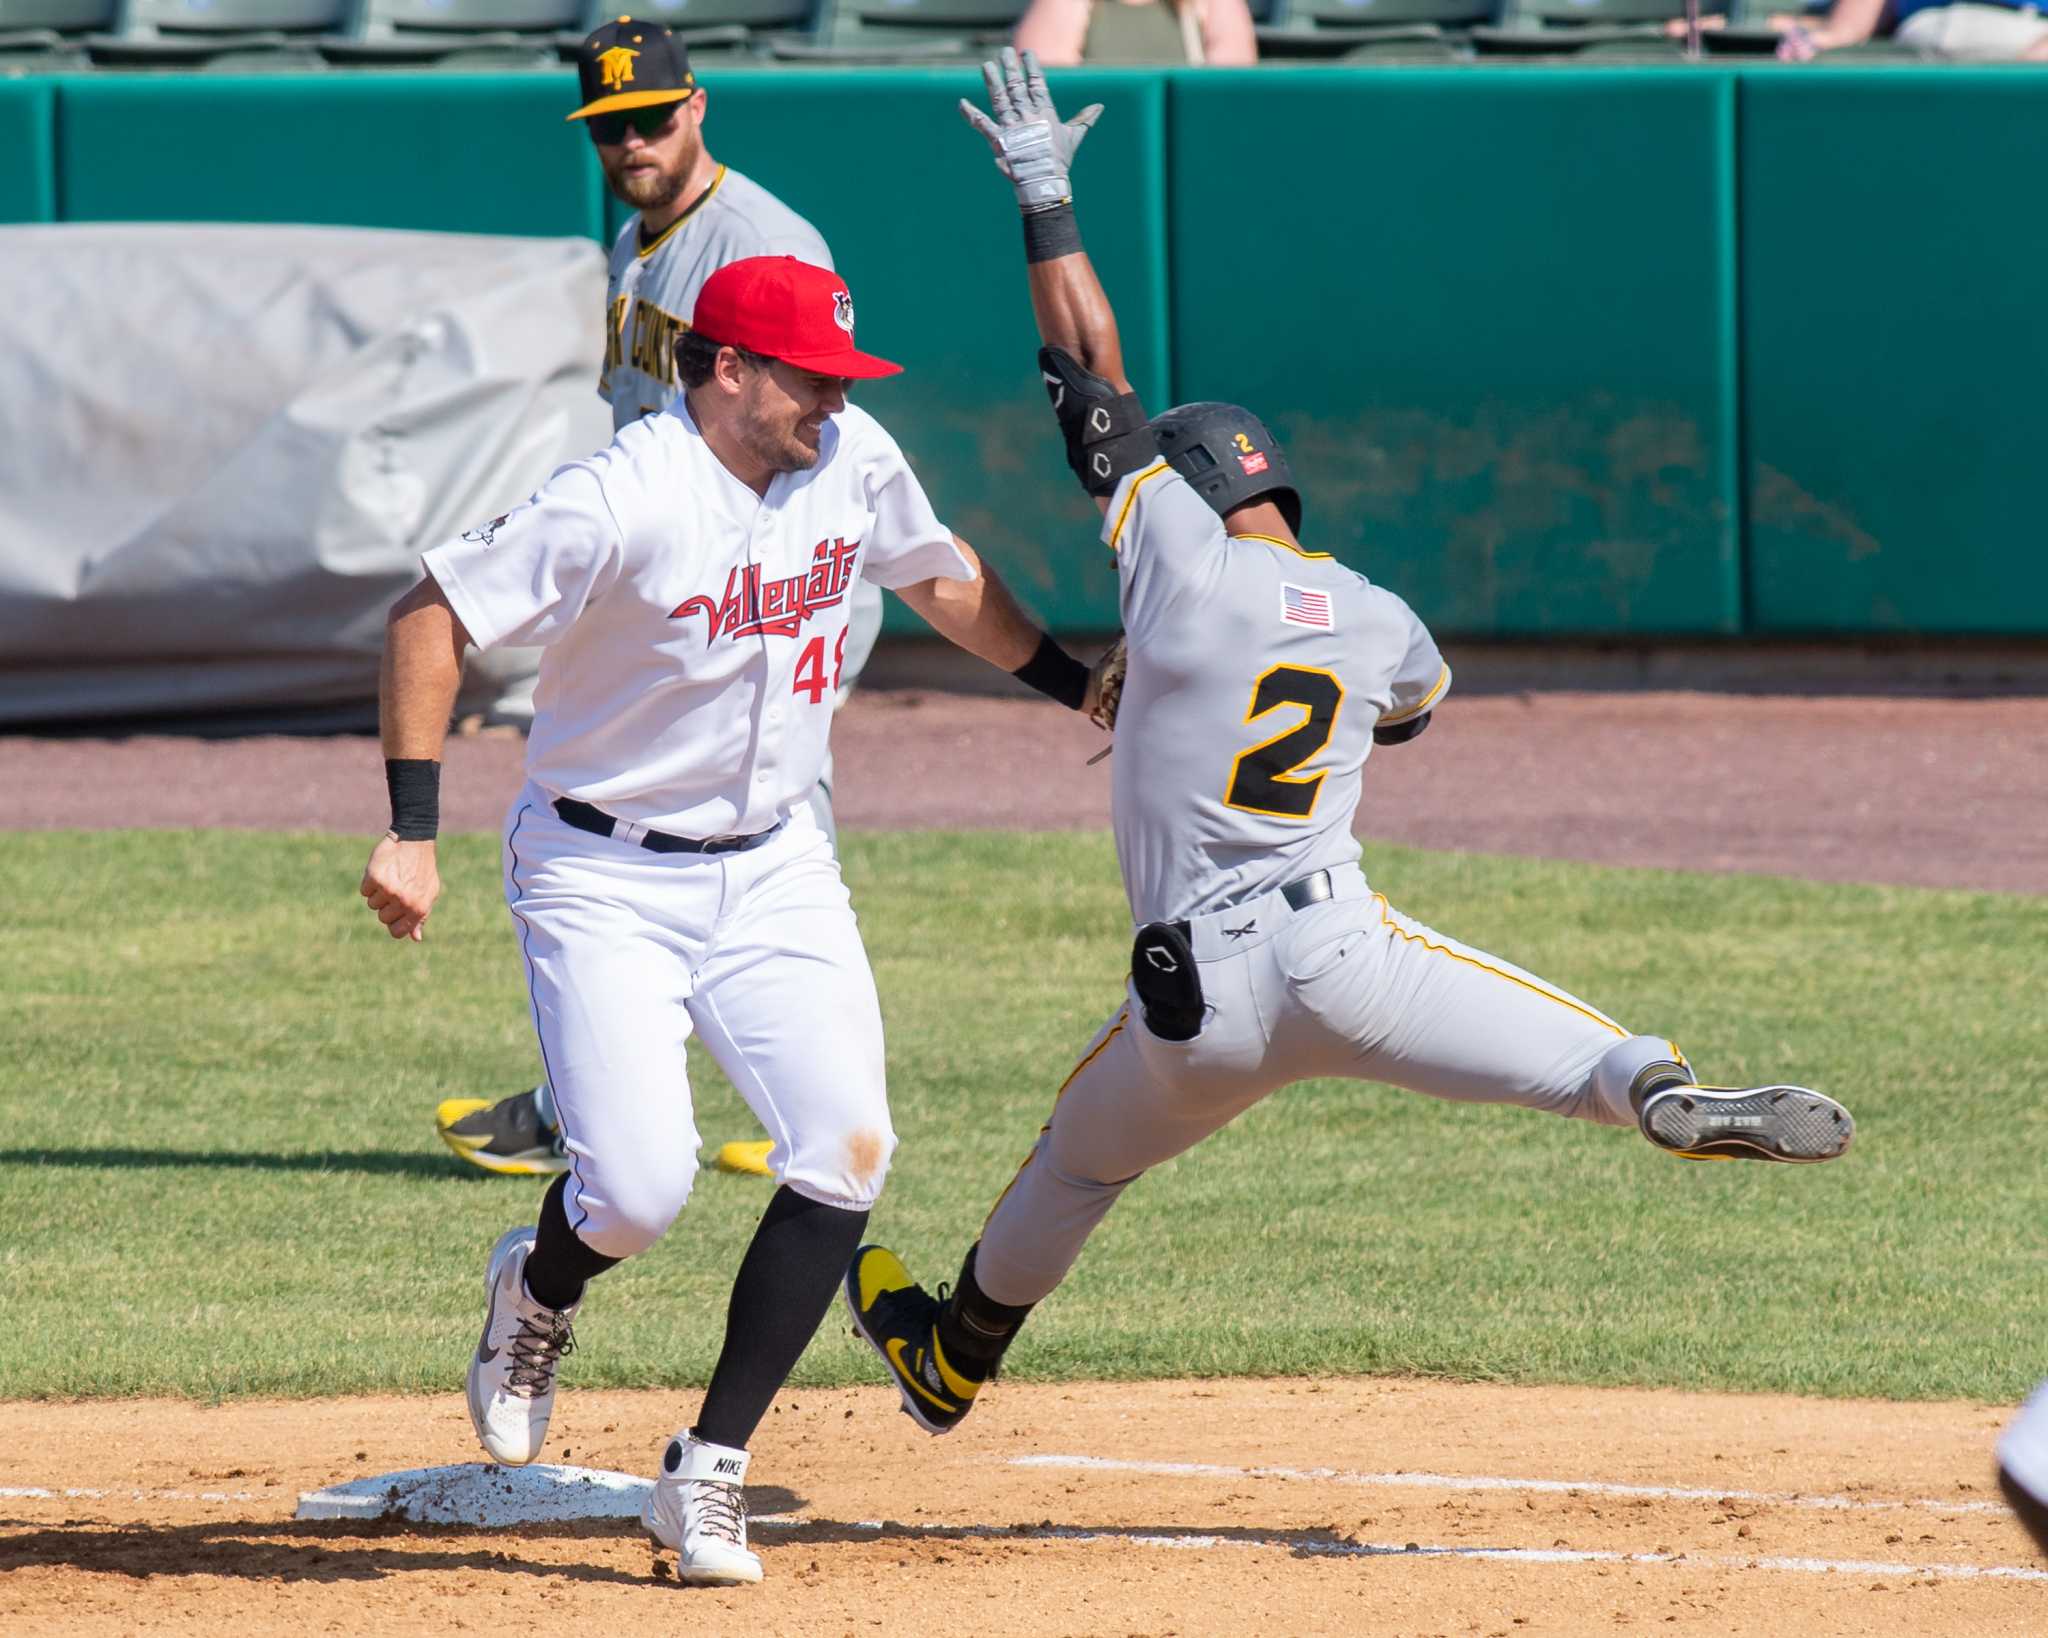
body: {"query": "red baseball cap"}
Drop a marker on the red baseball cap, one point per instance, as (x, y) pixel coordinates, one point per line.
(789, 310)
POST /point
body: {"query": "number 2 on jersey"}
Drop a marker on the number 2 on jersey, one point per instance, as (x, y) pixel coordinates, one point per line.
(1262, 780)
(810, 668)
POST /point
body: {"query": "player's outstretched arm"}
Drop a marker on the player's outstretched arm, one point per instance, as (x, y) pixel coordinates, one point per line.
(980, 615)
(1082, 360)
(417, 685)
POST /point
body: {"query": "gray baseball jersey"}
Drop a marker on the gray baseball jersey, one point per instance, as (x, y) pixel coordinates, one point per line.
(1257, 673)
(652, 289)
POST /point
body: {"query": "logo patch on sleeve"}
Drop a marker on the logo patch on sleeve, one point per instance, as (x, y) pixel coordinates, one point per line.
(1303, 606)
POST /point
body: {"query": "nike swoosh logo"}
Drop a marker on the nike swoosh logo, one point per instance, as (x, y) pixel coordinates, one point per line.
(894, 1348)
(484, 1355)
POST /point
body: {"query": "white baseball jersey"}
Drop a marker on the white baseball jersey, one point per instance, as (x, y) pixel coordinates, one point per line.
(653, 288)
(692, 630)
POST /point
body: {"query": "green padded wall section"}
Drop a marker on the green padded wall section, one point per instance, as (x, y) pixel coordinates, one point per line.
(28, 175)
(1895, 350)
(927, 235)
(1492, 323)
(485, 153)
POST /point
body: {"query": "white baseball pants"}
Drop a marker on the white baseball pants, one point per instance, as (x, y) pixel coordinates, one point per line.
(628, 951)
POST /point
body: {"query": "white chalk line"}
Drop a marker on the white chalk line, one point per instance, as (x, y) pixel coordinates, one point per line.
(1312, 1547)
(36, 1492)
(1549, 1487)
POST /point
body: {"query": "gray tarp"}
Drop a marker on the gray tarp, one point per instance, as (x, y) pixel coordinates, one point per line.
(223, 448)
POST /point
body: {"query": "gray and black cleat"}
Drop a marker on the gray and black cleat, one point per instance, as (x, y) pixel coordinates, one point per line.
(1787, 1123)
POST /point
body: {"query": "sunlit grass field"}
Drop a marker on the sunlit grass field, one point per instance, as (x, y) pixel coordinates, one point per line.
(218, 1174)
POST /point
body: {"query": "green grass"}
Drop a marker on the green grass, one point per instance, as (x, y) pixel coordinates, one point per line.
(217, 1175)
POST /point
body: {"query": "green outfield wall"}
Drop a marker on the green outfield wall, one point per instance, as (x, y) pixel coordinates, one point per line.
(1624, 352)
(28, 151)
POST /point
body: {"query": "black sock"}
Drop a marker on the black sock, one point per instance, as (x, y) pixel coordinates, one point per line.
(786, 1282)
(975, 1329)
(560, 1265)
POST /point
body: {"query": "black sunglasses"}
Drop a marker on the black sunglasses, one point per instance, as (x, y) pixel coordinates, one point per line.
(610, 129)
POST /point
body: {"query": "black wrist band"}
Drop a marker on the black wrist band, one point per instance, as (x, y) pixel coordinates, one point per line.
(415, 786)
(1051, 233)
(1056, 674)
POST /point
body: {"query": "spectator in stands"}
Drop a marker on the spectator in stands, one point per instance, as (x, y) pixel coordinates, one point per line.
(1968, 31)
(1066, 32)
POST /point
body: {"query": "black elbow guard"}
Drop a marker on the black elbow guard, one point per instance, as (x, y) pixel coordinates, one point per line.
(1106, 431)
(1401, 732)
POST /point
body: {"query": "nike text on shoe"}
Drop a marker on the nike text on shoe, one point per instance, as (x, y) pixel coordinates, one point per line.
(512, 1373)
(899, 1319)
(508, 1136)
(699, 1507)
(1746, 1123)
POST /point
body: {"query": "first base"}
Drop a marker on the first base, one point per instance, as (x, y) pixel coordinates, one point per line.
(481, 1493)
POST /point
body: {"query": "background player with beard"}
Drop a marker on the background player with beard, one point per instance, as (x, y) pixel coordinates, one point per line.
(645, 111)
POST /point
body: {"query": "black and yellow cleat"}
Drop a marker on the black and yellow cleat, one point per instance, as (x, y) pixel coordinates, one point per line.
(899, 1319)
(507, 1136)
(1787, 1123)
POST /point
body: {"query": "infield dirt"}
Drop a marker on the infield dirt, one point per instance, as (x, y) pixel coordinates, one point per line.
(970, 1542)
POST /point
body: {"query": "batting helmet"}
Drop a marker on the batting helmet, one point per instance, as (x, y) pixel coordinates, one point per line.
(1229, 457)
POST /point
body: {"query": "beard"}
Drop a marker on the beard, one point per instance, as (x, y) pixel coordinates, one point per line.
(653, 189)
(775, 444)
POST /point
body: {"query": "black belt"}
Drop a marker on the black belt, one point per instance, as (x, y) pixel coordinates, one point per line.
(1308, 890)
(599, 823)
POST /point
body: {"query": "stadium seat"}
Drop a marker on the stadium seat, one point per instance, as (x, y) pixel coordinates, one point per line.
(1362, 30)
(856, 31)
(715, 28)
(460, 34)
(216, 33)
(49, 35)
(1559, 27)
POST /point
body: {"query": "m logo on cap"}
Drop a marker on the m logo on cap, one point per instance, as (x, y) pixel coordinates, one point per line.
(616, 65)
(842, 310)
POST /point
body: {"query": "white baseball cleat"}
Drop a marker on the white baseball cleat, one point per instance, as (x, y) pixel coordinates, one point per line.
(512, 1373)
(699, 1507)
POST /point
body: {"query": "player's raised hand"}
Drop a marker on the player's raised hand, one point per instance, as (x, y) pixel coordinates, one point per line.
(402, 881)
(1033, 146)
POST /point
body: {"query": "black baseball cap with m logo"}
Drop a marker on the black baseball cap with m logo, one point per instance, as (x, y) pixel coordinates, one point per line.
(631, 64)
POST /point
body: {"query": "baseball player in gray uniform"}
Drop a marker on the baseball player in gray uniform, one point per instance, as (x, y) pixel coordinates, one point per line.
(1261, 673)
(644, 111)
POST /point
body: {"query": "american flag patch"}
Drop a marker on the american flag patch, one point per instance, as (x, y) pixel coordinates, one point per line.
(1299, 606)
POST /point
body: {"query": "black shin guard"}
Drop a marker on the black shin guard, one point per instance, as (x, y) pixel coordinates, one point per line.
(975, 1329)
(786, 1282)
(560, 1265)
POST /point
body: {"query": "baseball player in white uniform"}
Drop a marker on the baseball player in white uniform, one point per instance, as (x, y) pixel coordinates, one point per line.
(644, 111)
(690, 587)
(1261, 674)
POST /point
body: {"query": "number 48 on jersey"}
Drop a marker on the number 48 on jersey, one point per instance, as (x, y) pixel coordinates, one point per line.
(810, 668)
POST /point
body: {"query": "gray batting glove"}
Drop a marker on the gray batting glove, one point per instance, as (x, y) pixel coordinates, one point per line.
(1033, 147)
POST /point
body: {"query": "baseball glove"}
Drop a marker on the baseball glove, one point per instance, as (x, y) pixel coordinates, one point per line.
(1106, 685)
